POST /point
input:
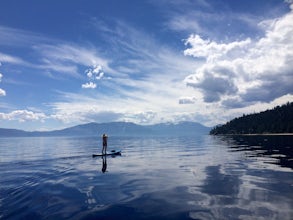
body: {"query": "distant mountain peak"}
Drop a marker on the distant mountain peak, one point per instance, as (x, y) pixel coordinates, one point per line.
(117, 128)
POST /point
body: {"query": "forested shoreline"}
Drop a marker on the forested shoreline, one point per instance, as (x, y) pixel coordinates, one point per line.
(274, 121)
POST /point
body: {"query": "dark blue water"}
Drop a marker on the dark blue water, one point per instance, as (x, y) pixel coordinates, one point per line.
(200, 177)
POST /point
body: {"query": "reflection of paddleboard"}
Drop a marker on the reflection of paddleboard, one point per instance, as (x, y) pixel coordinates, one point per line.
(108, 154)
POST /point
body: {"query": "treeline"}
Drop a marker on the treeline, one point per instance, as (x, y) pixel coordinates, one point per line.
(277, 120)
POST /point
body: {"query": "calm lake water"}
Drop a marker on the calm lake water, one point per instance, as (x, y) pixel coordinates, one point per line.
(200, 177)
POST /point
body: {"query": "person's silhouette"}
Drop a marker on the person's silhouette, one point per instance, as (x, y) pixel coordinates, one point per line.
(105, 143)
(104, 167)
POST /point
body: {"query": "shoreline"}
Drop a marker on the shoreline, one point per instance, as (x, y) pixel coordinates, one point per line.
(262, 134)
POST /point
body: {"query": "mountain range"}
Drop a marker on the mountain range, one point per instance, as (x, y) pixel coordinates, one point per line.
(115, 129)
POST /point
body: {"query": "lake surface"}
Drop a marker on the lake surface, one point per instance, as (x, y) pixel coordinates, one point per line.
(199, 177)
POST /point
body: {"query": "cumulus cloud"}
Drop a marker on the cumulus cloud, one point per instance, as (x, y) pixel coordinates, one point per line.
(22, 116)
(89, 85)
(94, 73)
(248, 71)
(210, 49)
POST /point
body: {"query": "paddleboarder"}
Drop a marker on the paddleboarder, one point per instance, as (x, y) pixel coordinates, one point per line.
(105, 143)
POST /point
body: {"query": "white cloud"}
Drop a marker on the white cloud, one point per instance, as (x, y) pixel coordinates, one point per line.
(89, 85)
(138, 107)
(5, 58)
(23, 115)
(245, 72)
(145, 81)
(212, 50)
(50, 54)
(147, 77)
(11, 36)
(183, 23)
(82, 109)
(2, 92)
(68, 55)
(93, 73)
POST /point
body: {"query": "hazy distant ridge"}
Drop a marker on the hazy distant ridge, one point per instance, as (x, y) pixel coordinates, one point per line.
(115, 128)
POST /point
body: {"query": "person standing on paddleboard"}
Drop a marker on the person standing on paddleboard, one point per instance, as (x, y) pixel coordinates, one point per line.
(105, 143)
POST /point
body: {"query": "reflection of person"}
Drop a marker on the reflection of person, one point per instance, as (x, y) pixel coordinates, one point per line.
(104, 167)
(105, 140)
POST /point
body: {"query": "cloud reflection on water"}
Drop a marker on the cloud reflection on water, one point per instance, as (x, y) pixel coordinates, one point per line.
(200, 177)
(246, 190)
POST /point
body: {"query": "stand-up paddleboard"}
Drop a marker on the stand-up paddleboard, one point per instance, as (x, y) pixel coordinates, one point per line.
(112, 153)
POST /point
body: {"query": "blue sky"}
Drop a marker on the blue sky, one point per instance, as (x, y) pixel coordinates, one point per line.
(65, 63)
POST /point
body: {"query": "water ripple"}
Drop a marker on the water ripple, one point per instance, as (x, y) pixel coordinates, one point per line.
(199, 177)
